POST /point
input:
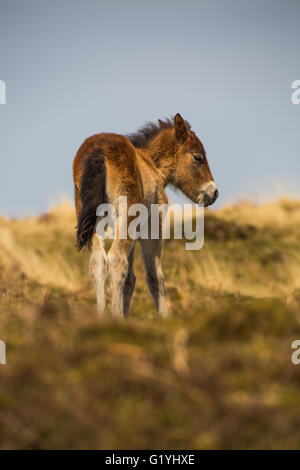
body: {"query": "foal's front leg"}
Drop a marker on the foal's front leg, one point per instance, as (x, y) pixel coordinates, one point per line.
(118, 269)
(151, 250)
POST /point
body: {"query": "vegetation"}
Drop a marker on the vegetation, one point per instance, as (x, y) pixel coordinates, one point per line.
(217, 374)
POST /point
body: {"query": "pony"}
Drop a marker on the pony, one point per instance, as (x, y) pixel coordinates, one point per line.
(138, 166)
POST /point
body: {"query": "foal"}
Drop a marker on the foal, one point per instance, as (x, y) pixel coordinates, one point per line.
(138, 166)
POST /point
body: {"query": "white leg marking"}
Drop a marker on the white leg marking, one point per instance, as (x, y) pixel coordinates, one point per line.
(118, 266)
(98, 272)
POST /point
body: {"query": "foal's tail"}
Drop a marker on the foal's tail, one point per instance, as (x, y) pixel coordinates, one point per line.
(92, 194)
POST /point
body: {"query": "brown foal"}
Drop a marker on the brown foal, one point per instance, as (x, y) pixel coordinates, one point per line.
(138, 166)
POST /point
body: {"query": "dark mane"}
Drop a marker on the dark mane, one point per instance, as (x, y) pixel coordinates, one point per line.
(145, 134)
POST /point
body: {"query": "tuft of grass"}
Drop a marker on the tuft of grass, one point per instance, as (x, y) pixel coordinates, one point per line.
(217, 374)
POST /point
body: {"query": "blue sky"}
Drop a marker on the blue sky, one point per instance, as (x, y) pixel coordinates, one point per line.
(75, 68)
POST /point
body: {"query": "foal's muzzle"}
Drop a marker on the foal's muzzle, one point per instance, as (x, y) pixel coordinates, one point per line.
(209, 200)
(208, 194)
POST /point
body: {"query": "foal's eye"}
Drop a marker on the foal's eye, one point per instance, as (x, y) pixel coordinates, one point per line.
(198, 158)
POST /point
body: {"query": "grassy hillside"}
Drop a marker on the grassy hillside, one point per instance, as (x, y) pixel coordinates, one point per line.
(218, 374)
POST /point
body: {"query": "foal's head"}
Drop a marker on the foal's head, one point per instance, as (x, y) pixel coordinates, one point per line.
(192, 172)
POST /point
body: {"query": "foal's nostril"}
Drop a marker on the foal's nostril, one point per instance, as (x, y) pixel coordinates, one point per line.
(207, 199)
(216, 194)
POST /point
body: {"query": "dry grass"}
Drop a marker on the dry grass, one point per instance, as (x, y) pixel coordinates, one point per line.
(217, 374)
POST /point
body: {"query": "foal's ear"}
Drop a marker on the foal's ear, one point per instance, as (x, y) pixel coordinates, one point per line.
(181, 131)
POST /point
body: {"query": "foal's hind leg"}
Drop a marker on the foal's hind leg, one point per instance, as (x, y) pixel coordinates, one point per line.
(129, 284)
(118, 269)
(98, 271)
(151, 250)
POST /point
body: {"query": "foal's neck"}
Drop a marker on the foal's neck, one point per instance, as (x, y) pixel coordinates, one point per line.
(161, 150)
